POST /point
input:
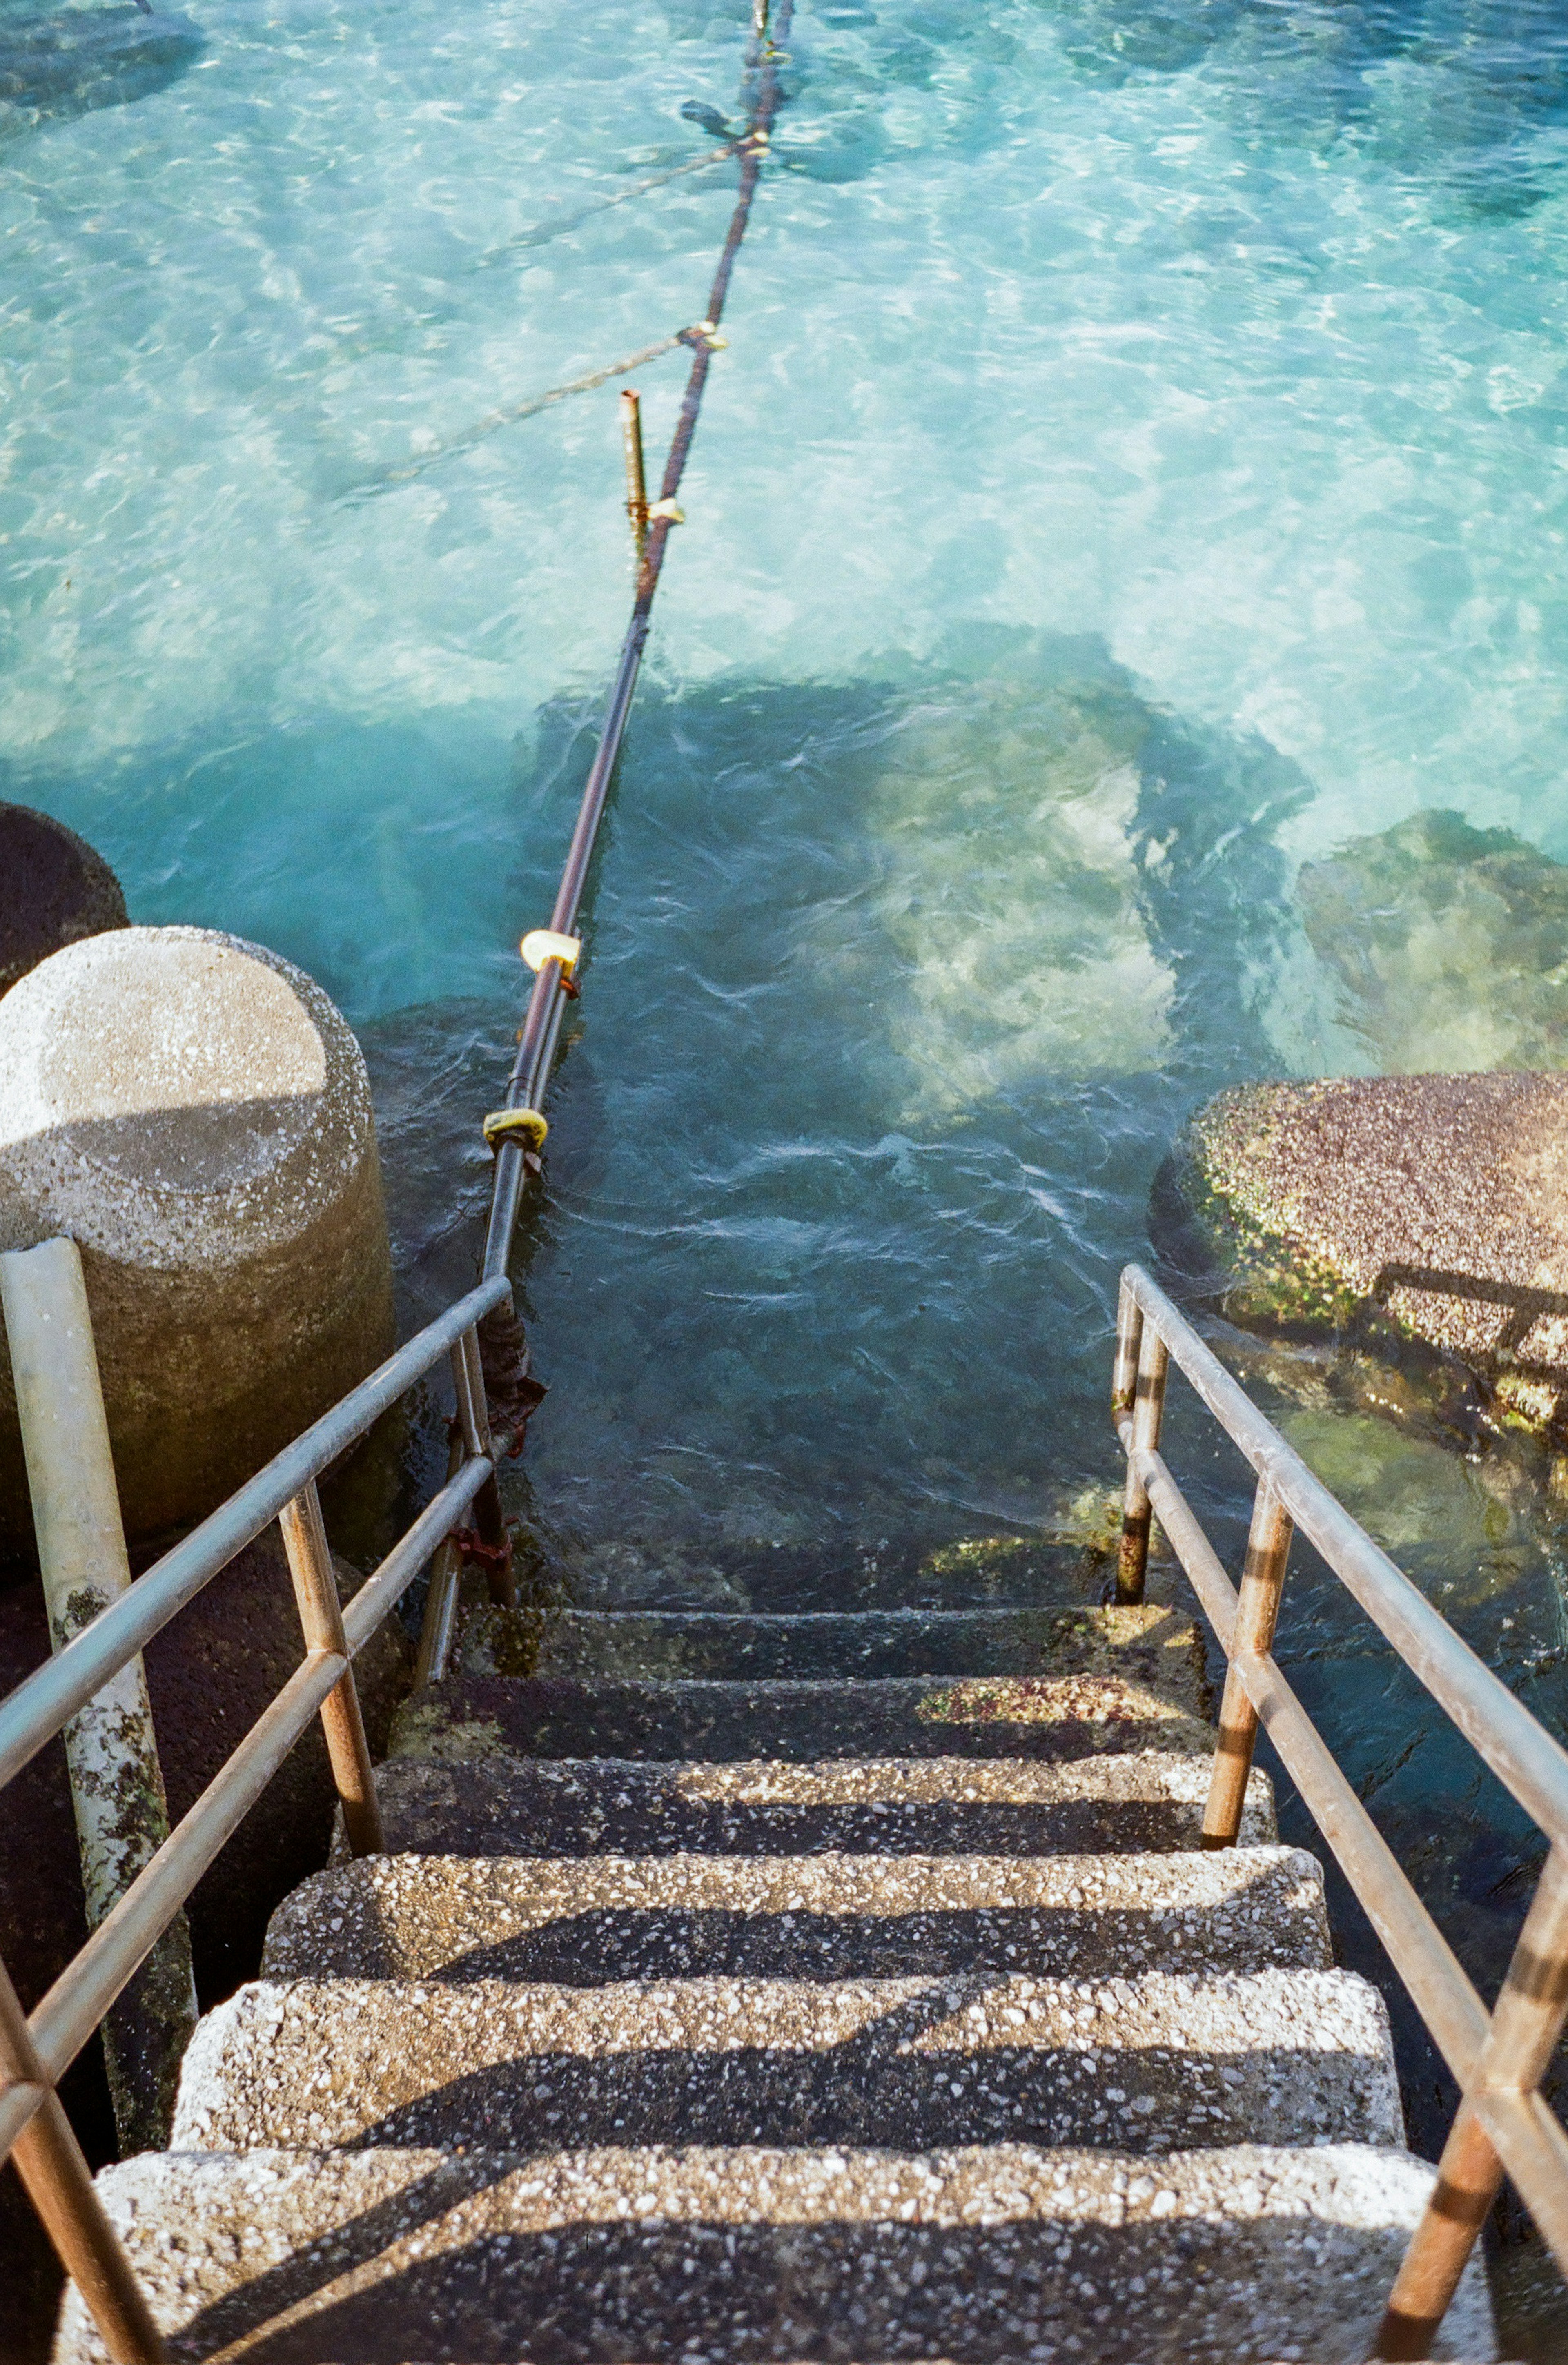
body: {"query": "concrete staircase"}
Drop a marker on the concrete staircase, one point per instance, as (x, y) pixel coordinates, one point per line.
(846, 1985)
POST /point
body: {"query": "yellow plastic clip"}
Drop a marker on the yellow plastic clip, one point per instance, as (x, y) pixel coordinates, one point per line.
(515, 1123)
(709, 332)
(670, 511)
(540, 944)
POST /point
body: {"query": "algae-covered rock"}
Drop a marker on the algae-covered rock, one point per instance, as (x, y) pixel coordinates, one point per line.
(1435, 1207)
(1449, 945)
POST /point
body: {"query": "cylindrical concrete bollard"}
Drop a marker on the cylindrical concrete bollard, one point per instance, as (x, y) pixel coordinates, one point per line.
(195, 1113)
(57, 889)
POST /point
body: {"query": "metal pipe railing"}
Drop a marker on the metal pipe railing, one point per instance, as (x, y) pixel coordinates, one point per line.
(542, 1023)
(35, 2053)
(35, 1710)
(1497, 2059)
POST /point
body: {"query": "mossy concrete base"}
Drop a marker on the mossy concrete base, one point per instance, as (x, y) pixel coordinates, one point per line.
(1425, 1208)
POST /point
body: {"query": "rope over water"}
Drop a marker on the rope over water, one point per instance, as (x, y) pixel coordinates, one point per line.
(542, 1024)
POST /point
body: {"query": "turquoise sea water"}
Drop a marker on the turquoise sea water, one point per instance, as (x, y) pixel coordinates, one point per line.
(1139, 471)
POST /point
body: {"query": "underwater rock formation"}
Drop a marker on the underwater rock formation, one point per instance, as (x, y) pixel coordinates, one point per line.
(1449, 945)
(1432, 1207)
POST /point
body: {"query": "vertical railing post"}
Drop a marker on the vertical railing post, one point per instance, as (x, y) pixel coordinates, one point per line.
(636, 477)
(1147, 1394)
(1257, 1613)
(111, 1751)
(1517, 2052)
(321, 1616)
(59, 2183)
(490, 1520)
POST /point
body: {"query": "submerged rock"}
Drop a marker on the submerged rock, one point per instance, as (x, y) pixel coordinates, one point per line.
(1449, 946)
(1432, 1207)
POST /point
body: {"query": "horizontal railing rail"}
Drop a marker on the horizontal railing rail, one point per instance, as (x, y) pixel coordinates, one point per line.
(36, 2050)
(1497, 2059)
(38, 1709)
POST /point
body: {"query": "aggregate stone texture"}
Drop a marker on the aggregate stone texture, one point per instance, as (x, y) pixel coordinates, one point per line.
(1130, 1679)
(1152, 2063)
(757, 2253)
(587, 1922)
(501, 1805)
(194, 1112)
(58, 889)
(1442, 1200)
(770, 1647)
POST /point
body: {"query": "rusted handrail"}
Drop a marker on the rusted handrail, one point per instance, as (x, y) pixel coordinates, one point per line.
(1503, 2123)
(36, 2052)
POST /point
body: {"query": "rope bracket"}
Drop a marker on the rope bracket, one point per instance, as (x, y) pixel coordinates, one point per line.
(527, 1126)
(671, 513)
(540, 944)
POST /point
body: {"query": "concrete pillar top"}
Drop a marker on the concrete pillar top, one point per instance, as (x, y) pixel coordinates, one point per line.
(174, 1096)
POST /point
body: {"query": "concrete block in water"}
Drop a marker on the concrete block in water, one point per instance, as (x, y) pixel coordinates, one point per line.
(194, 1112)
(1431, 1207)
(57, 891)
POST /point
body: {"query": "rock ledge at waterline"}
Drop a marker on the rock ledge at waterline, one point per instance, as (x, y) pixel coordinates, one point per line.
(1437, 1205)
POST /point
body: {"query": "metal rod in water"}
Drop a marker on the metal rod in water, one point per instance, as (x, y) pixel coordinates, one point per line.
(636, 475)
(117, 1785)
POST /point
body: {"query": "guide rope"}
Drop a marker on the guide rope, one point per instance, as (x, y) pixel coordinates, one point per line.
(543, 232)
(541, 1029)
(385, 480)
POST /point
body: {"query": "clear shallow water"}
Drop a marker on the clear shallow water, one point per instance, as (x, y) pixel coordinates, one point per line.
(1137, 474)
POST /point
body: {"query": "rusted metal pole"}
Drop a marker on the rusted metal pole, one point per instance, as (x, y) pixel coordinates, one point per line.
(636, 475)
(1526, 2026)
(60, 2185)
(117, 1785)
(474, 1425)
(1149, 1411)
(1258, 1610)
(321, 1618)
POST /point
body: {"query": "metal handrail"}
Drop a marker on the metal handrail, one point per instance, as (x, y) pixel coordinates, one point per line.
(35, 1710)
(36, 2051)
(1503, 2123)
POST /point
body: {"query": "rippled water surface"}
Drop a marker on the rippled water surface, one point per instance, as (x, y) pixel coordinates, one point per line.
(1137, 476)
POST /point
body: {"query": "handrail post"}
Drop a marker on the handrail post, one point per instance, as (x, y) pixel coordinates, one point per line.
(1258, 1610)
(118, 1798)
(474, 1420)
(321, 1617)
(60, 2185)
(1152, 1366)
(1526, 2026)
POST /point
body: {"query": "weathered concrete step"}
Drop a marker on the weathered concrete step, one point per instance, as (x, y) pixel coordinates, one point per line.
(1049, 1718)
(740, 2256)
(1150, 2065)
(590, 1921)
(713, 1645)
(503, 1805)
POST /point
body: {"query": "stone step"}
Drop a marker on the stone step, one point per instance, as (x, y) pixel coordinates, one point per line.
(1150, 2065)
(717, 1646)
(1141, 1704)
(592, 1921)
(505, 1805)
(737, 2256)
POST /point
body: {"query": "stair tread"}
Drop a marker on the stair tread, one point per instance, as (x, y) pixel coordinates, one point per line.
(504, 1804)
(781, 1645)
(1150, 2064)
(1160, 1702)
(588, 1921)
(1241, 2255)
